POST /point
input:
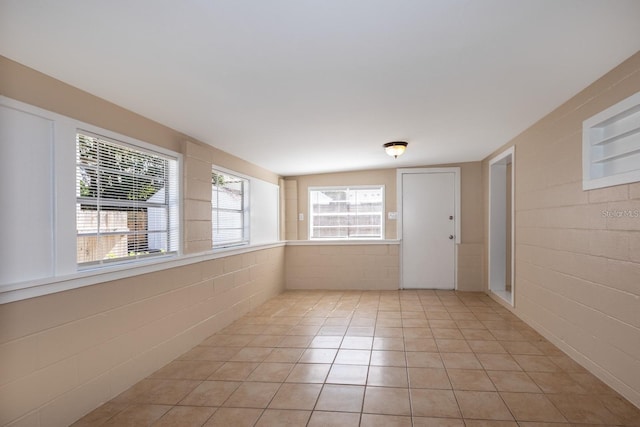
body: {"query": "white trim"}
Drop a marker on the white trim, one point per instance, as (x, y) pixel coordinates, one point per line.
(347, 187)
(19, 291)
(457, 197)
(341, 242)
(25, 290)
(172, 190)
(502, 157)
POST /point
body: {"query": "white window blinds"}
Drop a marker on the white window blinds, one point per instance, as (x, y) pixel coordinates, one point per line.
(346, 212)
(126, 201)
(229, 213)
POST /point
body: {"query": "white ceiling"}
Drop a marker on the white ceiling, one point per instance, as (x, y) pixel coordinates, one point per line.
(307, 86)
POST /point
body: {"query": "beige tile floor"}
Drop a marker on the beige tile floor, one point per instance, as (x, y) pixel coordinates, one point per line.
(403, 358)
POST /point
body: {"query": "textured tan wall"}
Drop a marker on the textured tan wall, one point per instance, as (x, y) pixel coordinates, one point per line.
(361, 267)
(471, 189)
(291, 209)
(32, 87)
(577, 273)
(282, 194)
(63, 354)
(197, 198)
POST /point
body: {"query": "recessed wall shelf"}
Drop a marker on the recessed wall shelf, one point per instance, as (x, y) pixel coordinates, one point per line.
(611, 145)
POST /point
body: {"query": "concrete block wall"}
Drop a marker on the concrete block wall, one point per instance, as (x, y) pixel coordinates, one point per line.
(325, 266)
(577, 272)
(64, 354)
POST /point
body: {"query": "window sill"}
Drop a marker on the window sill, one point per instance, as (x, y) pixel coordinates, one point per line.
(87, 277)
(230, 247)
(340, 242)
(36, 288)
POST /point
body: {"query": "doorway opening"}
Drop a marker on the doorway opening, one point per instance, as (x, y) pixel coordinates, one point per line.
(501, 226)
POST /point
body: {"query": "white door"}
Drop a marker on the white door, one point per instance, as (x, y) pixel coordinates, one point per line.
(428, 230)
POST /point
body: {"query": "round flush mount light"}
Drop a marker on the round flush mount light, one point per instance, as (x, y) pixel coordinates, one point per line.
(395, 148)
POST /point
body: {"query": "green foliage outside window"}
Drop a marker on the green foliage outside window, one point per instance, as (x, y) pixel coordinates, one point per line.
(115, 172)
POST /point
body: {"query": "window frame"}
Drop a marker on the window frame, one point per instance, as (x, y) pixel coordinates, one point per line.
(62, 271)
(171, 202)
(311, 215)
(245, 212)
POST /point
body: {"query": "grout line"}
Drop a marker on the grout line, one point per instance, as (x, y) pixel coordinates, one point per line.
(344, 305)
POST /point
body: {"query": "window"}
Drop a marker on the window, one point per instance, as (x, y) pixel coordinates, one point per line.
(229, 211)
(126, 201)
(346, 212)
(56, 224)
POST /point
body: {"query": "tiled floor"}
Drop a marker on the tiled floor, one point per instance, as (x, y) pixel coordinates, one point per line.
(405, 358)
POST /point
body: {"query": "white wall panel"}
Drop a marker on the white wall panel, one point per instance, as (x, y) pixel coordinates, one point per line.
(26, 196)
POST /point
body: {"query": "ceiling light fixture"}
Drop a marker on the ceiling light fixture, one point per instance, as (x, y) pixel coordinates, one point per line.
(395, 148)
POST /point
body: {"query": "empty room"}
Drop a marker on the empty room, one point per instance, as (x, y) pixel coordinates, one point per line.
(320, 213)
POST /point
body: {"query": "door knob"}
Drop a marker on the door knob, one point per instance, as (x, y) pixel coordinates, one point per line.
(450, 236)
(450, 216)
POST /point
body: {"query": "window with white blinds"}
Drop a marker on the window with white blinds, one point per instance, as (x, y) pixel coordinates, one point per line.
(126, 201)
(346, 212)
(229, 210)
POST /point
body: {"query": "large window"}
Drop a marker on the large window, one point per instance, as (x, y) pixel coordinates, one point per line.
(126, 201)
(346, 212)
(229, 210)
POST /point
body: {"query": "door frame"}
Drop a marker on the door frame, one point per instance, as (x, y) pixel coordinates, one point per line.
(496, 264)
(456, 197)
